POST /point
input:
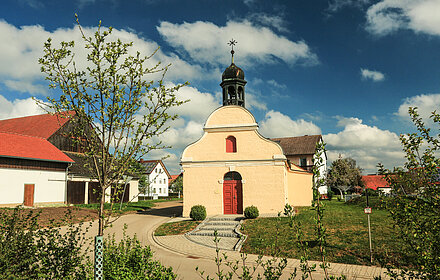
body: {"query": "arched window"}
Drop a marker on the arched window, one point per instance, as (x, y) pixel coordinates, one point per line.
(231, 92)
(231, 144)
(232, 175)
(240, 93)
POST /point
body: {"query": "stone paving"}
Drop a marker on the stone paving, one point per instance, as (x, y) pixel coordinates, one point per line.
(204, 248)
(180, 244)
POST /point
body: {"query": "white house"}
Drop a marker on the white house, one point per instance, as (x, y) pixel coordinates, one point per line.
(157, 177)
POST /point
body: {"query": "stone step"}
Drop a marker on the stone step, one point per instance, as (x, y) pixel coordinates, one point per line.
(226, 218)
(211, 233)
(216, 227)
(222, 223)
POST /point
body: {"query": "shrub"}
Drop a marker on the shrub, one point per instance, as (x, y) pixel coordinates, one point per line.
(128, 259)
(30, 252)
(251, 212)
(370, 192)
(330, 194)
(198, 213)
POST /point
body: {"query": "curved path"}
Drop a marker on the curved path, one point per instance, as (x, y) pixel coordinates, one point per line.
(184, 256)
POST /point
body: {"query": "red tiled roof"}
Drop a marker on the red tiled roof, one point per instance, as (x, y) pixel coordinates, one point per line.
(39, 126)
(20, 146)
(375, 181)
(173, 177)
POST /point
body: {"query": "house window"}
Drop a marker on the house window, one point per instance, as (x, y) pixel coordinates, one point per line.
(154, 190)
(160, 190)
(303, 162)
(231, 145)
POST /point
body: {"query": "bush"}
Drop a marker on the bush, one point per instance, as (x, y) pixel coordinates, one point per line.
(370, 192)
(330, 194)
(128, 259)
(251, 212)
(198, 213)
(30, 252)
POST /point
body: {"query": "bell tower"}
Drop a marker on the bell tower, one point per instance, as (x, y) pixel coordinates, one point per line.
(233, 82)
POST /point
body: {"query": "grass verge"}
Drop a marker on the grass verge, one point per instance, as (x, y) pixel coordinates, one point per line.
(347, 231)
(176, 228)
(127, 206)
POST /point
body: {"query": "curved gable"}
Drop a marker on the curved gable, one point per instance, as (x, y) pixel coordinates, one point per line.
(233, 121)
(230, 115)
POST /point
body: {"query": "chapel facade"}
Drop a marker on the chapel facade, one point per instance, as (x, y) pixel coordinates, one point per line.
(233, 166)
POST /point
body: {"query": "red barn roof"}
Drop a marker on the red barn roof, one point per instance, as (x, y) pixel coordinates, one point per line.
(42, 126)
(375, 181)
(28, 147)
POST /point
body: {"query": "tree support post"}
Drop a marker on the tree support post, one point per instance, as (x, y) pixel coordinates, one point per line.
(99, 247)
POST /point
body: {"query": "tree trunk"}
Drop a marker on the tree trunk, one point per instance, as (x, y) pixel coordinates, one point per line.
(101, 213)
(342, 194)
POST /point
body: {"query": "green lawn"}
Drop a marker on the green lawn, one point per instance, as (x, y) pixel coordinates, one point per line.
(129, 206)
(347, 231)
(176, 228)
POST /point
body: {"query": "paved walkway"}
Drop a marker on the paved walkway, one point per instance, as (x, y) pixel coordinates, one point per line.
(184, 255)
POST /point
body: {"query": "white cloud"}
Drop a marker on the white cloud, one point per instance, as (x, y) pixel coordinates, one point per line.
(199, 106)
(275, 21)
(368, 145)
(207, 43)
(388, 16)
(21, 47)
(18, 108)
(276, 124)
(336, 5)
(253, 102)
(426, 104)
(26, 87)
(373, 75)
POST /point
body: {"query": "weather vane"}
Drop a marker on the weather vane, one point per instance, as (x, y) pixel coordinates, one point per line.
(232, 44)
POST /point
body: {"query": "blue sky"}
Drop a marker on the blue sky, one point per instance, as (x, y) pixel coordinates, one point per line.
(347, 69)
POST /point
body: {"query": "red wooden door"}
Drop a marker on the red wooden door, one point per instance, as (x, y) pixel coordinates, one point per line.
(232, 197)
(29, 194)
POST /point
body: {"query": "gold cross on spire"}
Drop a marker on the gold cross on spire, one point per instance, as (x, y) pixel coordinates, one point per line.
(232, 44)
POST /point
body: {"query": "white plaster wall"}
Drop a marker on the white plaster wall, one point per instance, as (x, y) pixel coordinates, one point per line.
(134, 190)
(50, 186)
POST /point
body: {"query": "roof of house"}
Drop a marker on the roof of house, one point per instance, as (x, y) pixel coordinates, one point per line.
(375, 181)
(174, 177)
(300, 145)
(28, 147)
(42, 126)
(81, 165)
(151, 164)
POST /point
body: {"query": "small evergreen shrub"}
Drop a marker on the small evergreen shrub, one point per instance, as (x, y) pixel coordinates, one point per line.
(198, 213)
(251, 212)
